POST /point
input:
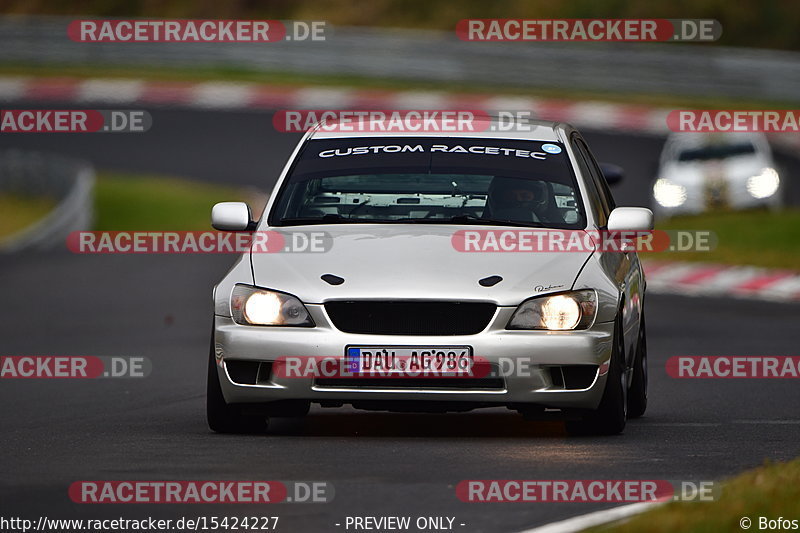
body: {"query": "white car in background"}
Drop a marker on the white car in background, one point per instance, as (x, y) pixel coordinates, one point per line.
(701, 171)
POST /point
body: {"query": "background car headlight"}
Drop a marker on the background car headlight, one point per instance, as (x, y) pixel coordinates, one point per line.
(261, 307)
(763, 184)
(669, 194)
(564, 311)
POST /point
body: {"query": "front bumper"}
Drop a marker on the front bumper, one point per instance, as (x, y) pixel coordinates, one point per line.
(701, 199)
(526, 360)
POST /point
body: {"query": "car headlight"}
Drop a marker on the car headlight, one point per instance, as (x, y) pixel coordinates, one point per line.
(558, 312)
(764, 184)
(261, 307)
(669, 194)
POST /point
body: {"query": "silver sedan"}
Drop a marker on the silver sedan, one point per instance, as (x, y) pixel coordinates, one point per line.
(434, 273)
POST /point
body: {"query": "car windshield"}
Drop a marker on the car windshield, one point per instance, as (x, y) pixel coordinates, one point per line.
(430, 180)
(717, 151)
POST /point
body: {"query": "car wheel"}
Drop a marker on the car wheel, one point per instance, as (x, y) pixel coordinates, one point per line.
(222, 417)
(610, 416)
(637, 395)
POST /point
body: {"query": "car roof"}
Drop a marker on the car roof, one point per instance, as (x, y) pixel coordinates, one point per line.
(698, 139)
(486, 127)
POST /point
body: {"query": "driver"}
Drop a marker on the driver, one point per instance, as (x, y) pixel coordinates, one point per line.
(516, 199)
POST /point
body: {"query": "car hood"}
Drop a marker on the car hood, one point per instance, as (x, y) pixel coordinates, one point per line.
(390, 261)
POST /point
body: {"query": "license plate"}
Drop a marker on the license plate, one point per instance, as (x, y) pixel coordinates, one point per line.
(410, 360)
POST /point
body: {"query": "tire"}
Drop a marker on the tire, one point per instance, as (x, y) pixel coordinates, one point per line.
(610, 416)
(637, 395)
(221, 416)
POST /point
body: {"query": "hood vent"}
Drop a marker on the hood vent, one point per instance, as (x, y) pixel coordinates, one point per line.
(331, 279)
(491, 281)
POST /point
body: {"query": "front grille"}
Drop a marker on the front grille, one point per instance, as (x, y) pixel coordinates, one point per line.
(716, 193)
(410, 318)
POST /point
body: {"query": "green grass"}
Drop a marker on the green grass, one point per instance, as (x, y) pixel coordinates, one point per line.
(771, 491)
(151, 203)
(17, 212)
(759, 238)
(296, 79)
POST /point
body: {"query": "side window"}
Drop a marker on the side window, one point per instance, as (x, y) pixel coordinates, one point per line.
(602, 184)
(595, 199)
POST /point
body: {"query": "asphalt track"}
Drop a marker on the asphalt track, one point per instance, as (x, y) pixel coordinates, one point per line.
(55, 432)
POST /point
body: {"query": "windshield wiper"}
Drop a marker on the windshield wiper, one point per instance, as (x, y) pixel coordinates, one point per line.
(330, 218)
(333, 218)
(472, 219)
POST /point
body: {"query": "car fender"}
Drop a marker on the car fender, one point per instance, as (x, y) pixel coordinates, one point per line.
(240, 272)
(619, 282)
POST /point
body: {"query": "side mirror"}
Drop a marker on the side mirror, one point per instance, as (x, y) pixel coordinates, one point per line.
(231, 216)
(612, 173)
(630, 219)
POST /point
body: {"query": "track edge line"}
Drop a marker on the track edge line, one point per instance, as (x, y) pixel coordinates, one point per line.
(596, 518)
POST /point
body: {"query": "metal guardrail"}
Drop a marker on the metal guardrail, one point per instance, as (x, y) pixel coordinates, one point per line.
(69, 181)
(644, 68)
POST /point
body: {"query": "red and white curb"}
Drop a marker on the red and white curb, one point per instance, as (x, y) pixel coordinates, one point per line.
(703, 279)
(228, 95)
(218, 95)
